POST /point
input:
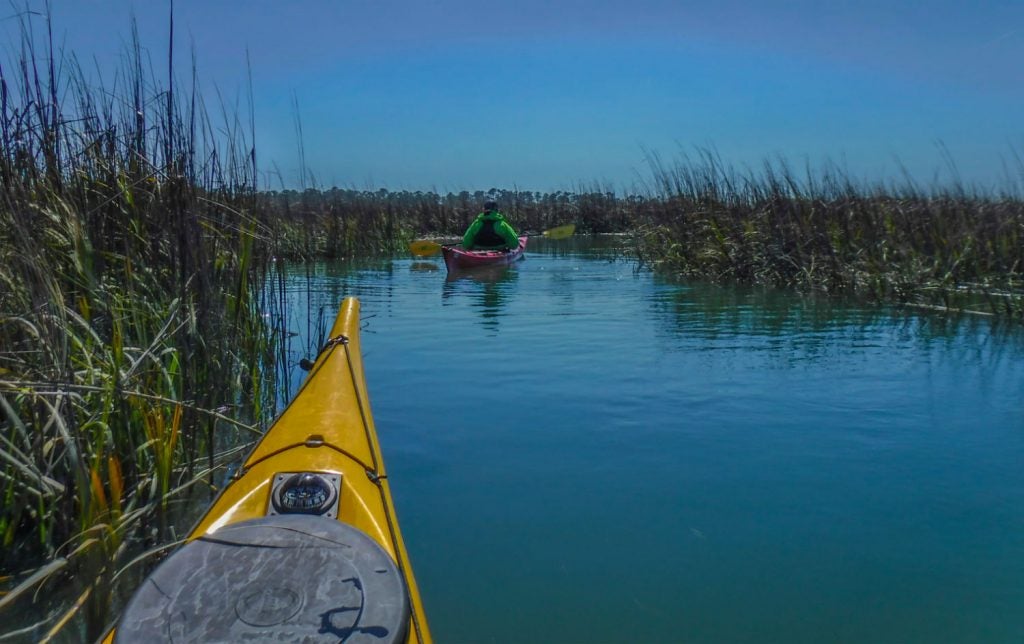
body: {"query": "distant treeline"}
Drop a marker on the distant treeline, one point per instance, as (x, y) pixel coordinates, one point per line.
(342, 222)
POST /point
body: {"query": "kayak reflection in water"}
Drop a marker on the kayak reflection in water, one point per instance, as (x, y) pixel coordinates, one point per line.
(488, 288)
(490, 231)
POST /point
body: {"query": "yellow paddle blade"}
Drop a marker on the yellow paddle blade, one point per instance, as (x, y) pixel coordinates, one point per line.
(424, 248)
(561, 232)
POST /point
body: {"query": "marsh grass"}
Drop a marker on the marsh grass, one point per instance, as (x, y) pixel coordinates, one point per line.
(134, 358)
(949, 247)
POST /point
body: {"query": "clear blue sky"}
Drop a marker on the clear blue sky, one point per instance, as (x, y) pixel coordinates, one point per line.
(551, 94)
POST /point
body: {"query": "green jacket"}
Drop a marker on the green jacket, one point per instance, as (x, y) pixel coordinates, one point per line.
(490, 231)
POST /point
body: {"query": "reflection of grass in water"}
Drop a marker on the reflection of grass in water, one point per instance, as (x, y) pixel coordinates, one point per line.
(949, 248)
(131, 339)
(795, 326)
(607, 247)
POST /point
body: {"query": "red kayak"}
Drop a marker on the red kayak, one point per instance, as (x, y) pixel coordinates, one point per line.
(456, 258)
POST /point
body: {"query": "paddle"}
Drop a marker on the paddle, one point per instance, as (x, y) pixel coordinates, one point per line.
(425, 247)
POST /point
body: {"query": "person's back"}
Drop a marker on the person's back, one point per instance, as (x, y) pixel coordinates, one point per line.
(490, 231)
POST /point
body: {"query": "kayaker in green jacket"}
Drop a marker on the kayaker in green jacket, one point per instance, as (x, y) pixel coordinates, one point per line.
(490, 231)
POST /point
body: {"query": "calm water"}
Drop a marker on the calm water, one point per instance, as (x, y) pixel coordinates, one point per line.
(580, 452)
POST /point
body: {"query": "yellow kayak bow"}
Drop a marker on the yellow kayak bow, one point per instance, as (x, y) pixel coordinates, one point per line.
(304, 544)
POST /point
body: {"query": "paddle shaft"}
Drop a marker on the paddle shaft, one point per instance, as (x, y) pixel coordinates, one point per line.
(426, 247)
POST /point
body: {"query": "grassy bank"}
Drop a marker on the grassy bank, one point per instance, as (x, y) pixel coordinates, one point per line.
(949, 247)
(134, 356)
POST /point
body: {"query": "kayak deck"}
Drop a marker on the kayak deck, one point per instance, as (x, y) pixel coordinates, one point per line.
(328, 433)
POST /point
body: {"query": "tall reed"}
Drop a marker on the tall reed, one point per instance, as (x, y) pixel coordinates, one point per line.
(948, 246)
(133, 352)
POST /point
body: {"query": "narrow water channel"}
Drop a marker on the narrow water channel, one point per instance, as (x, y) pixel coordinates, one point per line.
(583, 452)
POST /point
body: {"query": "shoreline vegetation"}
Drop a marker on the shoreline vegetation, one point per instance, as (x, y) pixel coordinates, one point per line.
(142, 337)
(947, 248)
(135, 355)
